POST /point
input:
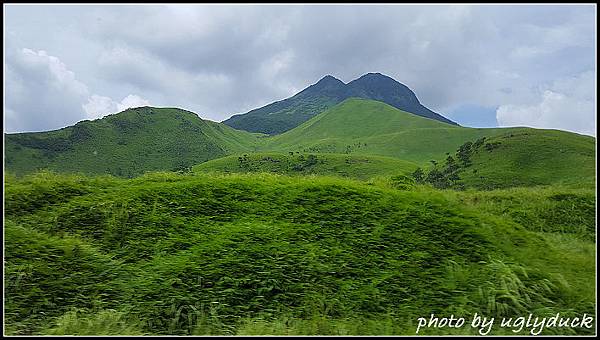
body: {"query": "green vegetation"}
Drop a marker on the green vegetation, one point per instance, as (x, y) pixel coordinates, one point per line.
(520, 158)
(367, 127)
(358, 221)
(126, 144)
(353, 166)
(357, 138)
(195, 253)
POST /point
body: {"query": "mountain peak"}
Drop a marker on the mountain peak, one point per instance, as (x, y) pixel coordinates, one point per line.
(377, 86)
(374, 74)
(328, 76)
(329, 79)
(328, 85)
(376, 77)
(286, 114)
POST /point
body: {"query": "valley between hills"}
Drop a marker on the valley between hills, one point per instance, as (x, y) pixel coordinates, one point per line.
(347, 209)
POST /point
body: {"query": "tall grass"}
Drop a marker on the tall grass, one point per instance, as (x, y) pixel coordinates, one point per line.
(267, 254)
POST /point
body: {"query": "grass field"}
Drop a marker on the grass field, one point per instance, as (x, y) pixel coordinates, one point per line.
(352, 166)
(197, 253)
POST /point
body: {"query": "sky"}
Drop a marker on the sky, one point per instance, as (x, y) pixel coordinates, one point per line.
(481, 66)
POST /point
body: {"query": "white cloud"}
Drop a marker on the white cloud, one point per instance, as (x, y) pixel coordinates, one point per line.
(144, 72)
(44, 94)
(100, 106)
(130, 101)
(569, 104)
(41, 93)
(57, 73)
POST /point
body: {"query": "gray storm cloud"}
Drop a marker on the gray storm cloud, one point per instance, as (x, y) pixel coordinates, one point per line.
(83, 62)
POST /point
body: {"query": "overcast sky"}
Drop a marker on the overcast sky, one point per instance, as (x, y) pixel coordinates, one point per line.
(481, 66)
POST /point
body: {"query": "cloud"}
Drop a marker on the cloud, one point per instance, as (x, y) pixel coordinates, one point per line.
(131, 101)
(219, 60)
(100, 106)
(568, 104)
(43, 94)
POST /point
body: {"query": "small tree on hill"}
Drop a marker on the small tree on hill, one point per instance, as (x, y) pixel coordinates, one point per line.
(419, 176)
(478, 143)
(464, 154)
(451, 165)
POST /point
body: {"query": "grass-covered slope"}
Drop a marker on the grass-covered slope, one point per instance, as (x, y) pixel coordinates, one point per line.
(267, 254)
(349, 139)
(352, 166)
(359, 126)
(530, 157)
(126, 144)
(519, 158)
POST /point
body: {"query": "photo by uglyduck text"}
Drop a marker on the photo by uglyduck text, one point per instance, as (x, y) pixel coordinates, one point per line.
(530, 323)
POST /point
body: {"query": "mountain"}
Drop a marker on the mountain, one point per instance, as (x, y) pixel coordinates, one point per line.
(284, 115)
(380, 87)
(344, 140)
(126, 144)
(497, 158)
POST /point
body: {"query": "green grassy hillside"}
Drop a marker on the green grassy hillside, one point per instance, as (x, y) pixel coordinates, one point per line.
(529, 157)
(269, 254)
(361, 126)
(520, 158)
(353, 166)
(149, 139)
(126, 144)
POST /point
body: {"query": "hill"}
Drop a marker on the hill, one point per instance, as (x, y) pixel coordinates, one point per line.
(356, 138)
(360, 126)
(519, 158)
(284, 115)
(126, 144)
(265, 254)
(352, 166)
(526, 157)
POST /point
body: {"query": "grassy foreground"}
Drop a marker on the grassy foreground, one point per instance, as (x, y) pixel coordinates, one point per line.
(269, 254)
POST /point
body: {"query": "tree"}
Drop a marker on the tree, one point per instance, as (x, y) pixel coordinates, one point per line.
(451, 165)
(478, 143)
(419, 176)
(464, 154)
(437, 179)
